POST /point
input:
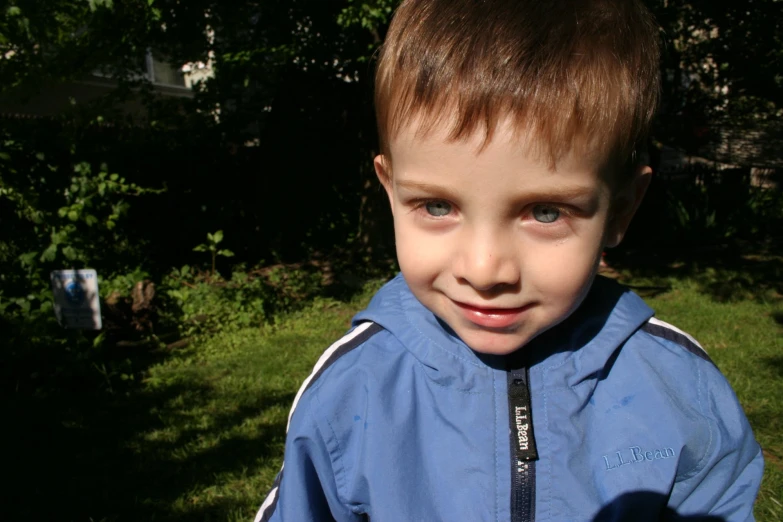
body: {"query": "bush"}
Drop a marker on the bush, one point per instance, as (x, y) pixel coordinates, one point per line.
(703, 206)
(200, 303)
(59, 209)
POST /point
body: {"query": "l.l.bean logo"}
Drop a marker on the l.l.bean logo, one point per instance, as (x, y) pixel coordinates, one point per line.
(636, 455)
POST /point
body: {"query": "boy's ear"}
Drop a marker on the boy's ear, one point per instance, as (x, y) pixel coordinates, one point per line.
(383, 172)
(625, 205)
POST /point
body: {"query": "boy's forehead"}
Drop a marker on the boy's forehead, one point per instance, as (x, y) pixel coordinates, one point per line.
(420, 137)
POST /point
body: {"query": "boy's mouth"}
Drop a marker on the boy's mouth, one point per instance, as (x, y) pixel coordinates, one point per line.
(491, 317)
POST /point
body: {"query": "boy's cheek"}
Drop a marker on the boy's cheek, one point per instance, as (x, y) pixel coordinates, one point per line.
(567, 281)
(565, 264)
(418, 252)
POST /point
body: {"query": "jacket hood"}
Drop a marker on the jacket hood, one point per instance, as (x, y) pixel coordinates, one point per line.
(587, 341)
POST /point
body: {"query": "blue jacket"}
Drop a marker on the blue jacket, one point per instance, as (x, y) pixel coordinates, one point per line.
(401, 422)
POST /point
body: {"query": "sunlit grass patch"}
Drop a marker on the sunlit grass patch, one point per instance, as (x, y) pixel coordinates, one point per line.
(226, 423)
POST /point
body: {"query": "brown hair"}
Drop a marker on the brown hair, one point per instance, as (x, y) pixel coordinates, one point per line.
(576, 75)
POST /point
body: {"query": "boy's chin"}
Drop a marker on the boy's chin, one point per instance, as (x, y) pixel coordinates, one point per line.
(494, 343)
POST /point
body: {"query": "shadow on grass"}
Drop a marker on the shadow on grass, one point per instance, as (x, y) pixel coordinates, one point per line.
(775, 363)
(87, 439)
(765, 419)
(726, 273)
(75, 452)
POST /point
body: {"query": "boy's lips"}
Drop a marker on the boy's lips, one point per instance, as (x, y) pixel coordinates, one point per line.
(491, 317)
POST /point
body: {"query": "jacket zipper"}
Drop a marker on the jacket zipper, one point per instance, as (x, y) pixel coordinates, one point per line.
(523, 447)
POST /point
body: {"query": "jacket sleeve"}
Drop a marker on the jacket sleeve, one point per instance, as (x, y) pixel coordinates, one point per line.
(305, 489)
(727, 479)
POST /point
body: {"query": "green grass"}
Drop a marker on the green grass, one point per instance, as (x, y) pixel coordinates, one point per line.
(199, 434)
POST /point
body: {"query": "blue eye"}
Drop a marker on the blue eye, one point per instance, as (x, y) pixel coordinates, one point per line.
(437, 208)
(545, 214)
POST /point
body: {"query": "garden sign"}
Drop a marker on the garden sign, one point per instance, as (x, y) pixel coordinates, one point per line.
(76, 301)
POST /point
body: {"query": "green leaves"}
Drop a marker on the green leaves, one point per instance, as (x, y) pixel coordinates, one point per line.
(70, 253)
(92, 195)
(49, 254)
(213, 239)
(95, 4)
(63, 213)
(367, 14)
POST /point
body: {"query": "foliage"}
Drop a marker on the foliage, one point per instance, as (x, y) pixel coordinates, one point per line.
(213, 240)
(63, 211)
(721, 60)
(122, 283)
(200, 304)
(59, 218)
(714, 213)
(703, 206)
(52, 41)
(370, 16)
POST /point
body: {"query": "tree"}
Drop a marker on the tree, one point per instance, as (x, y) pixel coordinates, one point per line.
(722, 65)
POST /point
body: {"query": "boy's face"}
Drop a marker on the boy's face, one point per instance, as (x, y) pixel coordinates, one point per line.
(496, 243)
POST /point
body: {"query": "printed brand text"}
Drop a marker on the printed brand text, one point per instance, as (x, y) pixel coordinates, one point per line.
(520, 414)
(634, 455)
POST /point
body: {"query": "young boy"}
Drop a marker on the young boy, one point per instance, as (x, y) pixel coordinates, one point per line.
(497, 379)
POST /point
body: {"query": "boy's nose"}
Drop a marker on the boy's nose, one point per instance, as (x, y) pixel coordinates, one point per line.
(487, 261)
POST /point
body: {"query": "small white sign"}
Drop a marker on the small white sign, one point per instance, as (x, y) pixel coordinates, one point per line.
(76, 300)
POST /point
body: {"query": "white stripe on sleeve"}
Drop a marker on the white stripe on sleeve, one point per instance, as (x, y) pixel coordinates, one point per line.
(272, 496)
(323, 360)
(664, 324)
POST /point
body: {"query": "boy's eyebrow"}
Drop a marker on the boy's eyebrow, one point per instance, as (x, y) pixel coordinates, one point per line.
(564, 192)
(424, 187)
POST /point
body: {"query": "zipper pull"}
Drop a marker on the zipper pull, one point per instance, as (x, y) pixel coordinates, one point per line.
(521, 415)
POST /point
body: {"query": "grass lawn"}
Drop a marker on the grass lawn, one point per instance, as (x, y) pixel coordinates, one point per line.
(199, 436)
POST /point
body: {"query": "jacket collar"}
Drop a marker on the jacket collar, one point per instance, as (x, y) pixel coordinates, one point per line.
(584, 344)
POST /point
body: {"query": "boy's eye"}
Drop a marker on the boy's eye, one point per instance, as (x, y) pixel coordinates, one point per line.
(437, 208)
(545, 214)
